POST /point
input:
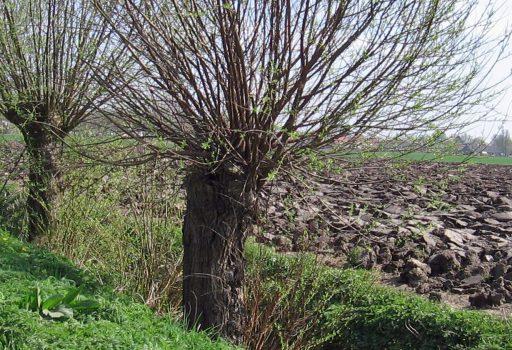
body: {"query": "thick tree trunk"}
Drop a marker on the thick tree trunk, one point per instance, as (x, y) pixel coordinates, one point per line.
(42, 150)
(213, 237)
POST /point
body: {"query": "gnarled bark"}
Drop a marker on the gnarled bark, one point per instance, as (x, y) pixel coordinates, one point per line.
(213, 237)
(43, 149)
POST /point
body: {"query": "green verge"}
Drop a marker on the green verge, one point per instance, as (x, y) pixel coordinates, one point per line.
(117, 322)
(352, 311)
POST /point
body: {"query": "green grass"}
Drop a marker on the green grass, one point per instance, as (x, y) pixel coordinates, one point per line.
(468, 159)
(352, 311)
(118, 323)
(343, 309)
(10, 137)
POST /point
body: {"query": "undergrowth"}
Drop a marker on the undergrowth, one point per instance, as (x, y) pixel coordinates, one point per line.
(123, 227)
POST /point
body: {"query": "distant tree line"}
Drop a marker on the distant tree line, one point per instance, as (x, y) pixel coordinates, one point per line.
(439, 142)
(499, 145)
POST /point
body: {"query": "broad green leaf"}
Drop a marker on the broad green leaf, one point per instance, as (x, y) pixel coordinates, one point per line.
(70, 296)
(52, 302)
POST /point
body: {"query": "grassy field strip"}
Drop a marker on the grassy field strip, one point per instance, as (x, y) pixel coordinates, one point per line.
(468, 159)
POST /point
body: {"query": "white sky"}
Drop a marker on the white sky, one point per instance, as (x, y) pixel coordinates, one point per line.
(502, 115)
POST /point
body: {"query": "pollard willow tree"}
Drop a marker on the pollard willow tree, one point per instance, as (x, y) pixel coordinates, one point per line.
(49, 50)
(240, 90)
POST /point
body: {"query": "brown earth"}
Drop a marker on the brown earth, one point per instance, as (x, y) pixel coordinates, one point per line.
(442, 230)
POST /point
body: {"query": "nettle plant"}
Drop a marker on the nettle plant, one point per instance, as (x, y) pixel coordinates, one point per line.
(59, 307)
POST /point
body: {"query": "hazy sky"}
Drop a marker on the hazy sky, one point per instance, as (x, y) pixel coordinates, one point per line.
(503, 112)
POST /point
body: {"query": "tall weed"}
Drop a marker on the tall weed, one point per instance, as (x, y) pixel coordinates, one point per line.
(121, 224)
